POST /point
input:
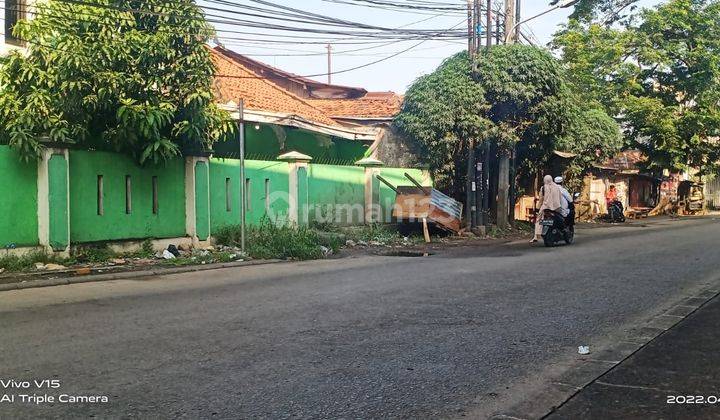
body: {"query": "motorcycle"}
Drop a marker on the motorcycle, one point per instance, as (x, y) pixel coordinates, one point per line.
(616, 212)
(556, 228)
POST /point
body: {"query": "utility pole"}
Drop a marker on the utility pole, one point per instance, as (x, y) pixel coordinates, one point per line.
(482, 166)
(518, 18)
(470, 26)
(503, 204)
(509, 21)
(470, 185)
(241, 146)
(329, 57)
(489, 24)
(513, 158)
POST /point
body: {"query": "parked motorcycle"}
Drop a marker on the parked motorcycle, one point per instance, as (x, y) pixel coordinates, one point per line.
(556, 228)
(616, 212)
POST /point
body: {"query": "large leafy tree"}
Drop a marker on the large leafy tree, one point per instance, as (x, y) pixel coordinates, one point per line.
(518, 95)
(443, 111)
(126, 75)
(519, 81)
(660, 77)
(604, 11)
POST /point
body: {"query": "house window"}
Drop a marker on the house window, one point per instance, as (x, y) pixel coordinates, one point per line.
(15, 11)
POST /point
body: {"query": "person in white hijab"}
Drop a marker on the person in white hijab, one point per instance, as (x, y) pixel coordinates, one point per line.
(550, 198)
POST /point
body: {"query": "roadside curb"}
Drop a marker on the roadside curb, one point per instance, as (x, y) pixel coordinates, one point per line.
(560, 389)
(127, 275)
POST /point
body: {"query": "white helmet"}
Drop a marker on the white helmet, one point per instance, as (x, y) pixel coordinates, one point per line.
(559, 180)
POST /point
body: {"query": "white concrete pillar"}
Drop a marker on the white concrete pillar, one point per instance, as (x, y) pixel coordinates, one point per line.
(53, 221)
(295, 160)
(191, 191)
(372, 189)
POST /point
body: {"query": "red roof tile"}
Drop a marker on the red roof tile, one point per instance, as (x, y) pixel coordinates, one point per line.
(235, 82)
(372, 105)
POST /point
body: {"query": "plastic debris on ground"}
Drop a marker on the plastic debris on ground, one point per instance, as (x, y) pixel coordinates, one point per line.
(173, 250)
(584, 350)
(168, 255)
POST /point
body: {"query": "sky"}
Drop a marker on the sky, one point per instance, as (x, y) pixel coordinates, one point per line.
(394, 74)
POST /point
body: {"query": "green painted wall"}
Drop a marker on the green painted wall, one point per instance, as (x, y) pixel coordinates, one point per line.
(270, 141)
(115, 224)
(58, 202)
(260, 173)
(336, 193)
(202, 209)
(339, 187)
(396, 176)
(18, 200)
(302, 196)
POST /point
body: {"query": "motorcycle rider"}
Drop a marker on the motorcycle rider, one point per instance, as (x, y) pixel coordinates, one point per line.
(551, 199)
(566, 197)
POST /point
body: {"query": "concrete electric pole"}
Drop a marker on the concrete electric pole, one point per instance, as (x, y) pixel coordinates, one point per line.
(329, 57)
(503, 196)
(471, 186)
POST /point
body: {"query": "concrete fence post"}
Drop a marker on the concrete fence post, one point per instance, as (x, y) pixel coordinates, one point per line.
(372, 189)
(54, 200)
(298, 187)
(197, 199)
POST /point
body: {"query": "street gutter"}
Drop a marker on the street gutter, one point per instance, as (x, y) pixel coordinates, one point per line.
(127, 275)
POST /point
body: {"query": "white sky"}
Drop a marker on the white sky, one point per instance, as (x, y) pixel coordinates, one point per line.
(395, 74)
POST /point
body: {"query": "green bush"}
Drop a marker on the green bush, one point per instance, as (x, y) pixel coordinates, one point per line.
(374, 233)
(26, 262)
(269, 241)
(94, 253)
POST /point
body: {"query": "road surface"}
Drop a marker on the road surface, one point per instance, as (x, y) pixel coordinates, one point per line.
(461, 333)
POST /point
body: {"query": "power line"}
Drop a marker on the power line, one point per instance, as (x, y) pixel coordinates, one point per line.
(258, 77)
(358, 39)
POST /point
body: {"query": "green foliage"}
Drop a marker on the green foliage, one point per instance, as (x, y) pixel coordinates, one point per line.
(26, 262)
(270, 241)
(520, 97)
(442, 112)
(518, 81)
(660, 77)
(519, 228)
(146, 250)
(130, 76)
(606, 11)
(94, 253)
(374, 233)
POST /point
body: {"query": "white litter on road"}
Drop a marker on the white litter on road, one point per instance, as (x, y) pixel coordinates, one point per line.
(584, 350)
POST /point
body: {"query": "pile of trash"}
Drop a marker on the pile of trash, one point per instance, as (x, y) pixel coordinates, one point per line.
(365, 244)
(205, 255)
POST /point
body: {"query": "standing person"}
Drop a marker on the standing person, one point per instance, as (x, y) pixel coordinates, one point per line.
(550, 199)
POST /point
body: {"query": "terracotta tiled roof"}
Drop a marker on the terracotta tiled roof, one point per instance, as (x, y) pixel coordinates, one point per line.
(260, 94)
(372, 105)
(309, 85)
(626, 160)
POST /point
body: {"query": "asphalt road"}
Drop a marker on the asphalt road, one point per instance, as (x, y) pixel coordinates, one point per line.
(459, 333)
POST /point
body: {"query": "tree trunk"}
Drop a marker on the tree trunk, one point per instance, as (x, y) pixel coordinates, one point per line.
(503, 190)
